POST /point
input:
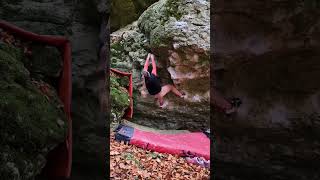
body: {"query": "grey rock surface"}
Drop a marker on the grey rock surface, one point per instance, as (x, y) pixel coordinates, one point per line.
(32, 124)
(266, 54)
(179, 35)
(85, 24)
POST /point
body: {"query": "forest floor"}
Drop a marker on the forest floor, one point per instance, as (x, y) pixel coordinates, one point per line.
(131, 162)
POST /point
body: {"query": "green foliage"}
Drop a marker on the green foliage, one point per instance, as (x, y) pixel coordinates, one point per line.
(135, 96)
(123, 12)
(131, 157)
(155, 155)
(12, 71)
(120, 99)
(142, 5)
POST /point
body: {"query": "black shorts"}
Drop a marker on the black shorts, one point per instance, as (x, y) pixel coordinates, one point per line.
(153, 84)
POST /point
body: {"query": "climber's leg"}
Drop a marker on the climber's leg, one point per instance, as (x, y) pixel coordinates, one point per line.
(167, 88)
(159, 97)
(176, 91)
(160, 100)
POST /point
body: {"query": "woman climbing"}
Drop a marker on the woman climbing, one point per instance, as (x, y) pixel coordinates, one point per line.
(153, 85)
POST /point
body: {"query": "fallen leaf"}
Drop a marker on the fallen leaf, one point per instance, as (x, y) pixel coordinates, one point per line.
(130, 161)
(112, 153)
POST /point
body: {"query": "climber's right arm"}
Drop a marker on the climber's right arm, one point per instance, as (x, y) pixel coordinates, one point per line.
(154, 66)
(146, 64)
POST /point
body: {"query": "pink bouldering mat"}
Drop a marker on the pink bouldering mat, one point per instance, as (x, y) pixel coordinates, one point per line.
(181, 144)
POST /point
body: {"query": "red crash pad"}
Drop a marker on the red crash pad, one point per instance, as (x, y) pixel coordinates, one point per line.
(179, 143)
(196, 143)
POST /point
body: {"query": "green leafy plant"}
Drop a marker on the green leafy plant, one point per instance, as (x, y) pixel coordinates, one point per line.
(120, 99)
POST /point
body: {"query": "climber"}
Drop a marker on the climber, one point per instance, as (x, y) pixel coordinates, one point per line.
(227, 106)
(153, 84)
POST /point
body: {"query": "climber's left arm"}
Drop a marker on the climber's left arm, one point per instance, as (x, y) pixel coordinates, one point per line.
(154, 66)
(146, 64)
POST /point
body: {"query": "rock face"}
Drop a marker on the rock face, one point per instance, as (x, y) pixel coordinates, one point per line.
(43, 17)
(85, 24)
(266, 54)
(178, 34)
(128, 50)
(28, 118)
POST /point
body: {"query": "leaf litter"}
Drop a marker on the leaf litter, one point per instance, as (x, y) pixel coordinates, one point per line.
(129, 162)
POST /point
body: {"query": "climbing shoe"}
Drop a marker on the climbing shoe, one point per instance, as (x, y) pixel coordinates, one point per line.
(183, 96)
(163, 104)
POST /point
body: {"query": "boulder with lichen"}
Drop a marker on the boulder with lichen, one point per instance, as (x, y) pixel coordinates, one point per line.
(32, 123)
(178, 34)
(266, 54)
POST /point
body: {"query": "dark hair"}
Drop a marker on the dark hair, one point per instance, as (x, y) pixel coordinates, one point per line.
(146, 74)
(150, 69)
(148, 49)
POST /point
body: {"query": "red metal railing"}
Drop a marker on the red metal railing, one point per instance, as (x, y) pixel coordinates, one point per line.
(60, 159)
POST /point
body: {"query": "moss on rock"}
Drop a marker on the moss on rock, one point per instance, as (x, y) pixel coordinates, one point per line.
(120, 99)
(45, 62)
(31, 124)
(123, 12)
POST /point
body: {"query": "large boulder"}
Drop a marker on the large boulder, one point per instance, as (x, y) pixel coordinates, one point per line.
(43, 17)
(178, 34)
(128, 50)
(32, 123)
(85, 24)
(266, 54)
(179, 31)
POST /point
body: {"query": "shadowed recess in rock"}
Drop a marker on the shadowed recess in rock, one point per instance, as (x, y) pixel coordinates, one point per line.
(266, 54)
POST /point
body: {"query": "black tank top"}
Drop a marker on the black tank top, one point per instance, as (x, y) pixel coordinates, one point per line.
(153, 84)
